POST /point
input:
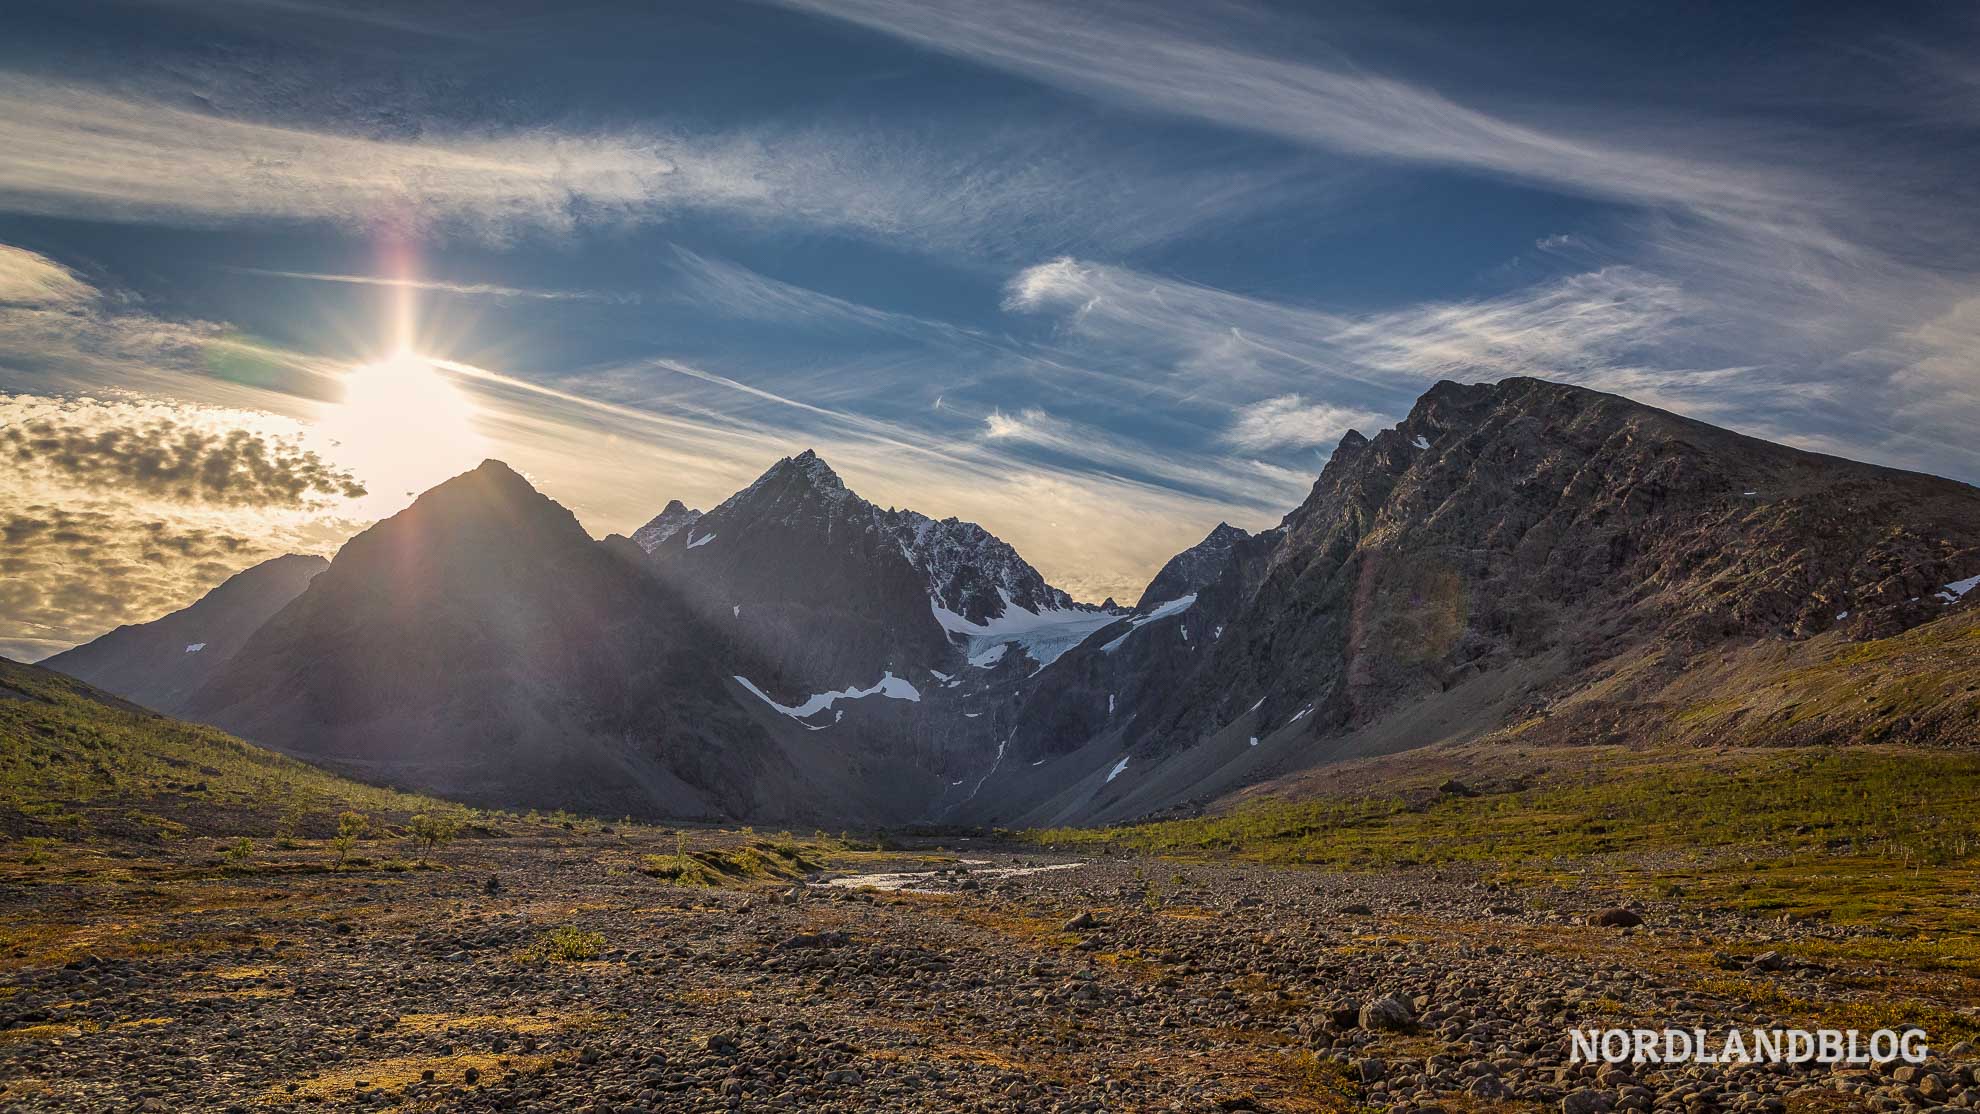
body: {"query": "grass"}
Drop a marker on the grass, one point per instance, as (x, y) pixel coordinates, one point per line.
(1898, 806)
(74, 760)
(1881, 836)
(780, 860)
(396, 1075)
(1920, 685)
(568, 944)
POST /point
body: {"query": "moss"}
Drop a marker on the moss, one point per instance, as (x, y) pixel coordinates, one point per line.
(756, 861)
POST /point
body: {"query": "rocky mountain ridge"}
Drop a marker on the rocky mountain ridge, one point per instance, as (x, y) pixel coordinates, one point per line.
(1518, 557)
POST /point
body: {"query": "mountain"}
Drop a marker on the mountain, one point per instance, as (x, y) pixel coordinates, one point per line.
(1521, 555)
(481, 645)
(671, 520)
(1521, 563)
(159, 664)
(838, 592)
(1193, 569)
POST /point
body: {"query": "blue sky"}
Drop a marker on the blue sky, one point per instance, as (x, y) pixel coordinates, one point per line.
(1094, 275)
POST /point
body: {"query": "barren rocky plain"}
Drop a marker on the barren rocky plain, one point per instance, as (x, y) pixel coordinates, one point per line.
(547, 963)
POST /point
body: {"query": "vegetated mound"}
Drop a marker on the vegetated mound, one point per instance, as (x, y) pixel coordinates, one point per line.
(77, 761)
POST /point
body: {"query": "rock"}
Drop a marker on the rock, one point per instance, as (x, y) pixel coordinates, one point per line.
(1390, 1014)
(1585, 1102)
(1081, 923)
(1456, 788)
(1356, 909)
(1616, 917)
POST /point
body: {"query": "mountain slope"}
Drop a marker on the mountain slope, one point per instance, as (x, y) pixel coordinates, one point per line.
(72, 757)
(482, 645)
(161, 663)
(1507, 549)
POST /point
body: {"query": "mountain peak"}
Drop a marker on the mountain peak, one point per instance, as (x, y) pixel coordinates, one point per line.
(813, 467)
(670, 521)
(1193, 568)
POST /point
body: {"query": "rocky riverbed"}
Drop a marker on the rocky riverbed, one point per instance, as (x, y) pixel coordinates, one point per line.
(547, 972)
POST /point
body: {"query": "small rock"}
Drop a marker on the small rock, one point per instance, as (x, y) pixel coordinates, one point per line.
(1616, 917)
(1389, 1014)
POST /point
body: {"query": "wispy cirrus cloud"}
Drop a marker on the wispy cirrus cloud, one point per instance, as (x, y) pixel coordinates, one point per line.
(75, 150)
(1215, 63)
(442, 286)
(1292, 421)
(81, 150)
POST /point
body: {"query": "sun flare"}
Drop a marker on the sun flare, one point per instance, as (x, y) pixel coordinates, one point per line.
(403, 426)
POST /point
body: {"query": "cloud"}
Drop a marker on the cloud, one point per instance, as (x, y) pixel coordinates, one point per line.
(29, 280)
(1223, 70)
(80, 151)
(1288, 420)
(72, 572)
(464, 289)
(164, 452)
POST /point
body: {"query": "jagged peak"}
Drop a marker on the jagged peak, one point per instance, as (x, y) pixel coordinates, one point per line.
(670, 521)
(813, 467)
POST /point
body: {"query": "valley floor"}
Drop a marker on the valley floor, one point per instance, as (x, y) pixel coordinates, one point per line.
(560, 967)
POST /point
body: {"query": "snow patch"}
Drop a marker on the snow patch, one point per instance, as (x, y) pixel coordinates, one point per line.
(1045, 635)
(990, 657)
(195, 647)
(697, 543)
(889, 686)
(1173, 607)
(1421, 442)
(986, 777)
(1116, 771)
(1954, 592)
(1254, 740)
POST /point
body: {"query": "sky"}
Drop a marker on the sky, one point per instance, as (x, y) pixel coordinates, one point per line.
(1094, 275)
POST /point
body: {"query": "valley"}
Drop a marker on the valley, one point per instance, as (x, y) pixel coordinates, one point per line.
(1544, 711)
(187, 922)
(562, 963)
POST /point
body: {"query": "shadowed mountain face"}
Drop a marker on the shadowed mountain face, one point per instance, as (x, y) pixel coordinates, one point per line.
(1194, 568)
(834, 591)
(1521, 560)
(159, 664)
(481, 643)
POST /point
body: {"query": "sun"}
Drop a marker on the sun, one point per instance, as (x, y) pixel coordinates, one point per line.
(403, 426)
